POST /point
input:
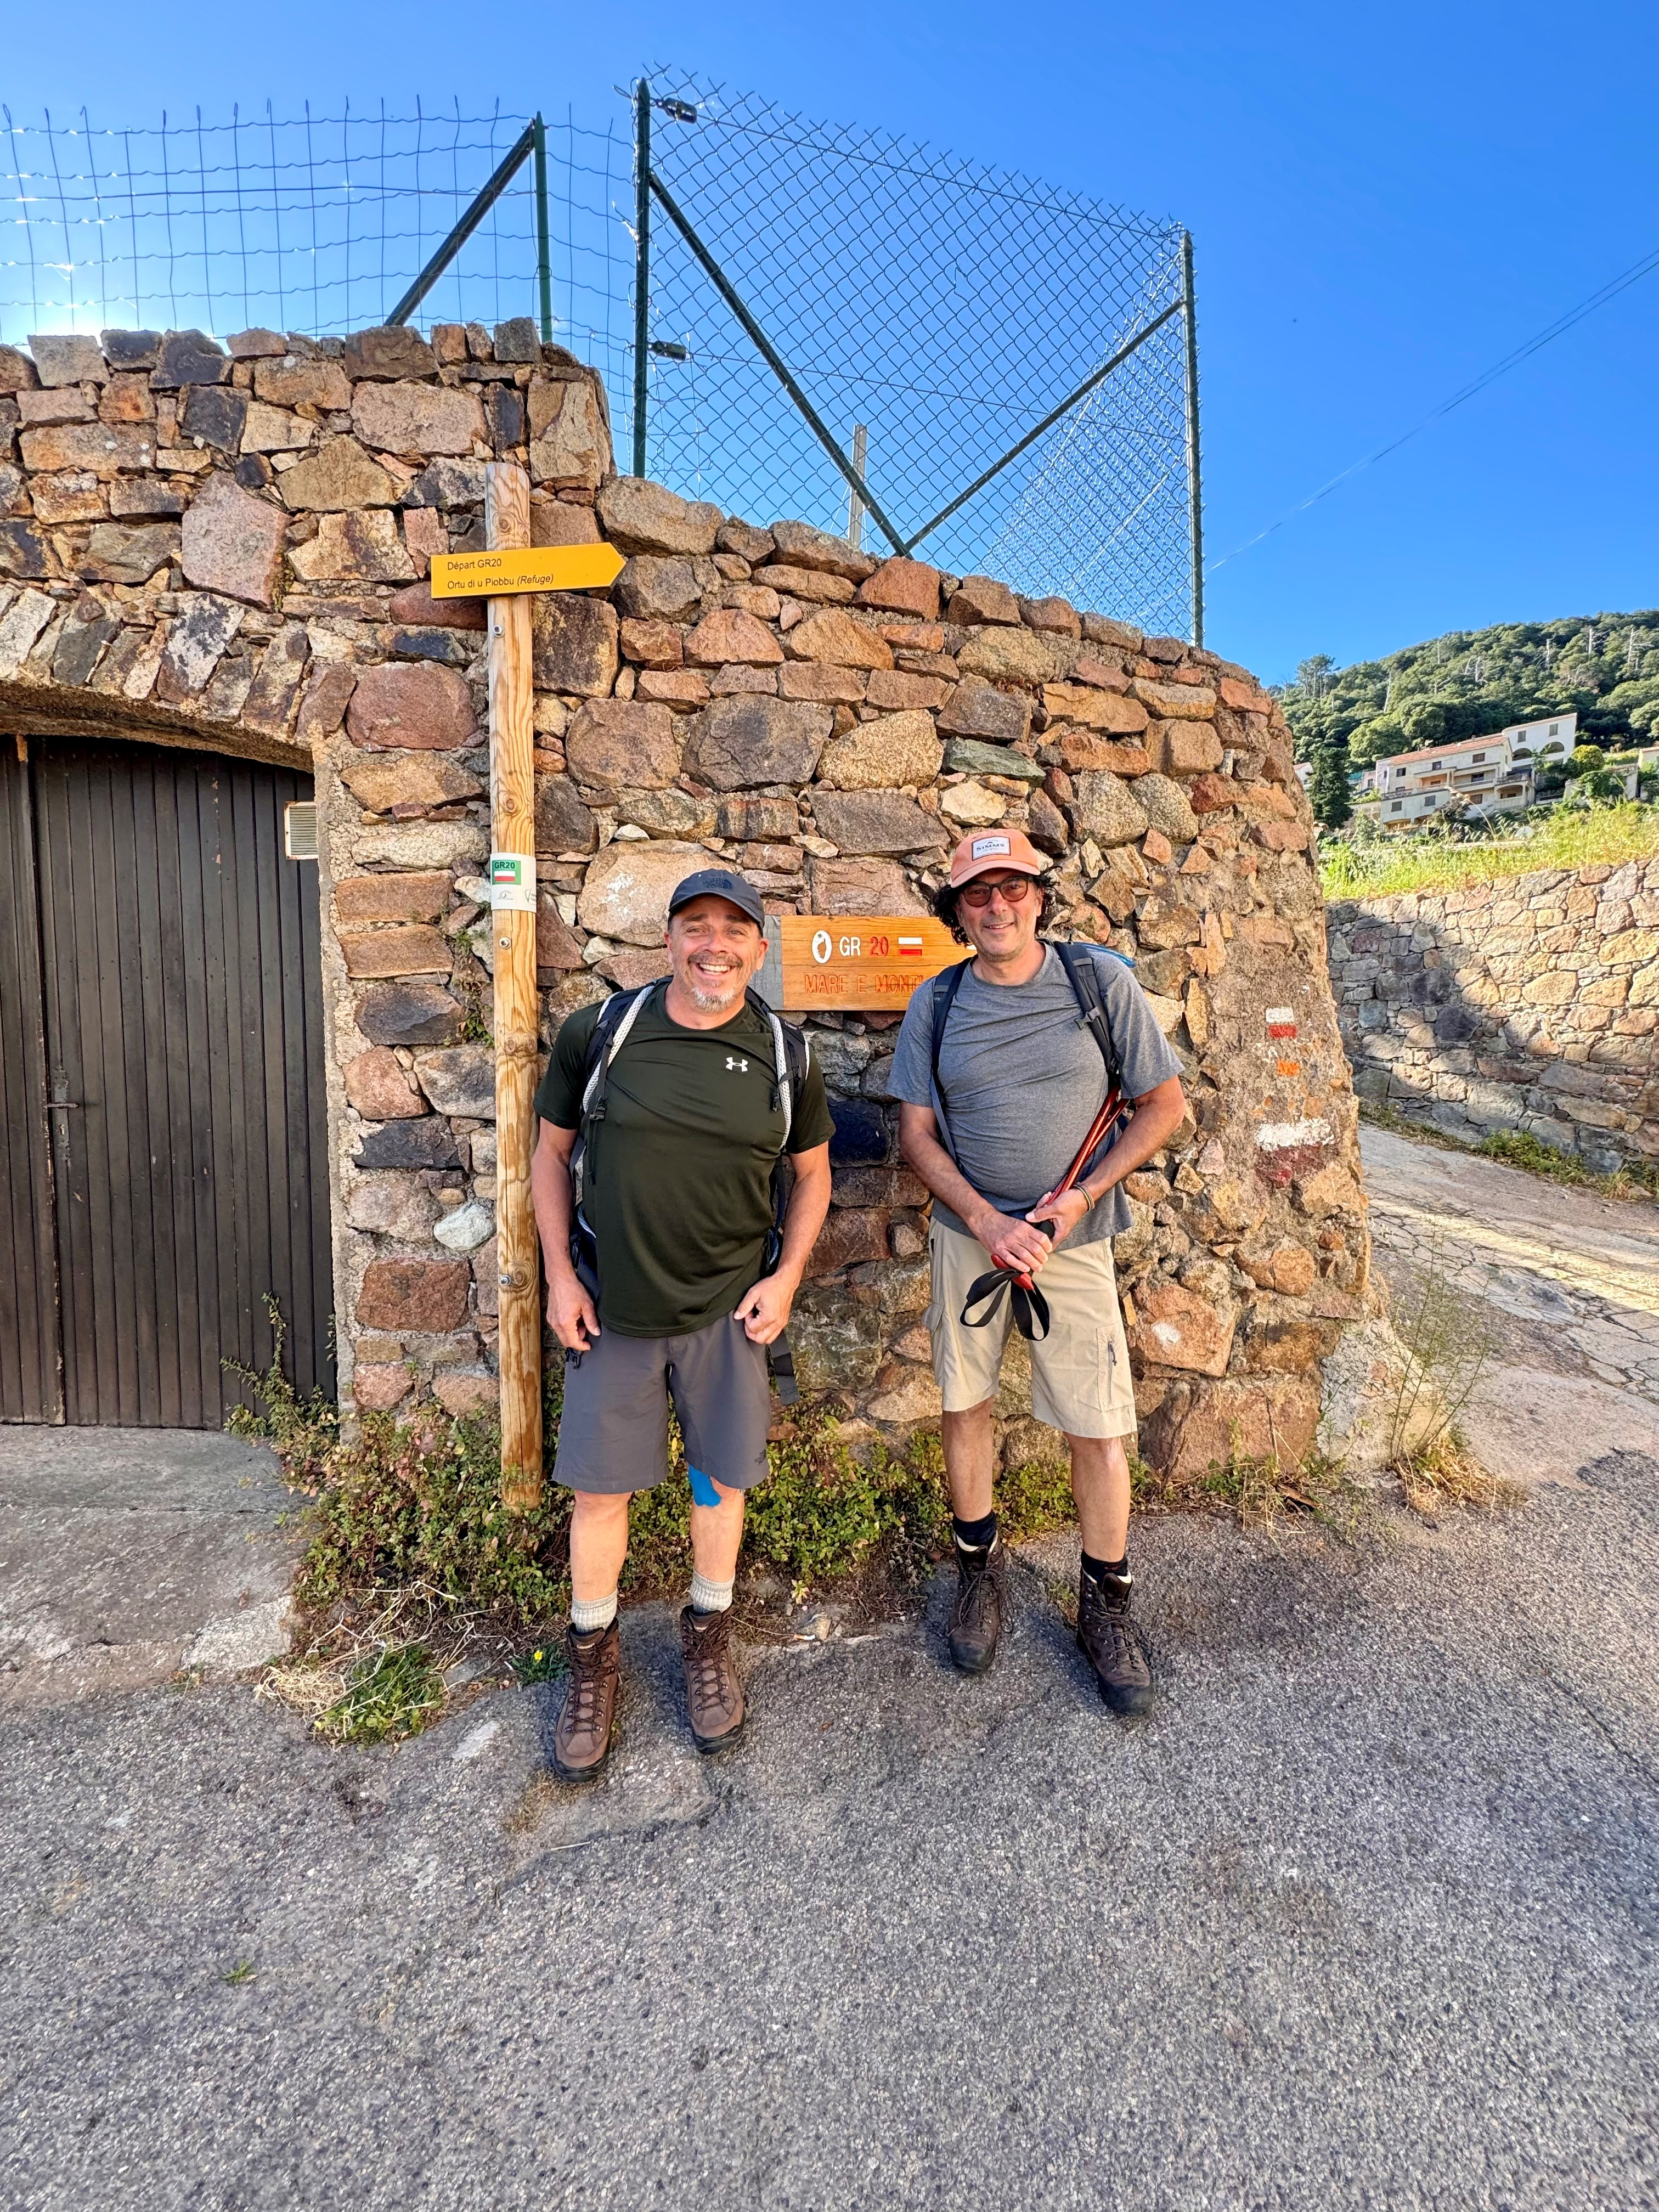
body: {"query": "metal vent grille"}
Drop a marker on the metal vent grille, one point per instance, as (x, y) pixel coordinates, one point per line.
(300, 830)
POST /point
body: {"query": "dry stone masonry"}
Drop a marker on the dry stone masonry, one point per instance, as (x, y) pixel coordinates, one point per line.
(229, 547)
(1531, 1003)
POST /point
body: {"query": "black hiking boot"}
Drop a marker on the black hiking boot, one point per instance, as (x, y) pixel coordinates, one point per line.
(981, 1600)
(1115, 1644)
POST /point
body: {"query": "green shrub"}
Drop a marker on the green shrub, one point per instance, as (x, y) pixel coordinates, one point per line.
(394, 1692)
(413, 1507)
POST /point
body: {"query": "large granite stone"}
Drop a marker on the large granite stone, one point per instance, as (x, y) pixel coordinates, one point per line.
(966, 756)
(855, 886)
(1106, 809)
(119, 553)
(232, 542)
(378, 1085)
(292, 382)
(427, 1143)
(216, 416)
(641, 517)
(619, 742)
(336, 480)
(411, 705)
(567, 439)
(188, 357)
(358, 548)
(903, 586)
(752, 739)
(800, 546)
(563, 824)
(831, 635)
(421, 419)
(875, 822)
(1017, 656)
(892, 751)
(1166, 807)
(408, 1013)
(407, 784)
(426, 1297)
(389, 351)
(652, 589)
(977, 709)
(574, 644)
(629, 886)
(459, 1079)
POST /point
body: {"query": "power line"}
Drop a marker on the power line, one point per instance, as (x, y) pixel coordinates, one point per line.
(1557, 329)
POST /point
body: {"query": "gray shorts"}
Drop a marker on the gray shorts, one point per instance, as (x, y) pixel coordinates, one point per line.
(613, 1433)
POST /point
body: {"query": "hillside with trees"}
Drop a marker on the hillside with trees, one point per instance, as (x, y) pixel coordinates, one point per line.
(1470, 683)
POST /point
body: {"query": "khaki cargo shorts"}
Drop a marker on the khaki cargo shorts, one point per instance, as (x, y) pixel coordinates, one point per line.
(1081, 1380)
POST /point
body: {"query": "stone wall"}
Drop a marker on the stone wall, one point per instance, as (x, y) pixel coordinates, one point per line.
(1530, 1004)
(229, 548)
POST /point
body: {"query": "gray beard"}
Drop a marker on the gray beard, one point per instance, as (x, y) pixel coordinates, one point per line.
(711, 1001)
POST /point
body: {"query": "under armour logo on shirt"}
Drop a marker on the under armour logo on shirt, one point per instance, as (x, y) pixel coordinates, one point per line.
(738, 1067)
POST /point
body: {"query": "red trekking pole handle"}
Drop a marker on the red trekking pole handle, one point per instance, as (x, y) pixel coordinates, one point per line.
(1030, 1302)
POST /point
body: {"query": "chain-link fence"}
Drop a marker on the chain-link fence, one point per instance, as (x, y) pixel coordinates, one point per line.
(1006, 372)
(935, 312)
(316, 223)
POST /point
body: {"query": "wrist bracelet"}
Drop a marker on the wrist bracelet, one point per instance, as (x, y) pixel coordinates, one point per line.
(1088, 1198)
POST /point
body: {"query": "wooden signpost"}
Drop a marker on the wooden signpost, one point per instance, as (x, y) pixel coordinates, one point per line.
(861, 962)
(513, 927)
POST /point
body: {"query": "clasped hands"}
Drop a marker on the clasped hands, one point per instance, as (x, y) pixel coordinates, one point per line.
(1016, 1244)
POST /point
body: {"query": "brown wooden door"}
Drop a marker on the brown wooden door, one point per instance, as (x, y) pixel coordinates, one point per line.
(31, 1376)
(181, 986)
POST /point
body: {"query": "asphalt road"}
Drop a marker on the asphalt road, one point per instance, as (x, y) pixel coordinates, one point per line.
(1365, 1916)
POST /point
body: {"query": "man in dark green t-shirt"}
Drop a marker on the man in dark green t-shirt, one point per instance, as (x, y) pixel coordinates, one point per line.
(677, 1190)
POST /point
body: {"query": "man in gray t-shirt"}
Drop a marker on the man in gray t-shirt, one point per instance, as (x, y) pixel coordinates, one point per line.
(991, 1117)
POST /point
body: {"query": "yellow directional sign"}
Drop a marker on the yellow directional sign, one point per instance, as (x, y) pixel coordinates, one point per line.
(533, 569)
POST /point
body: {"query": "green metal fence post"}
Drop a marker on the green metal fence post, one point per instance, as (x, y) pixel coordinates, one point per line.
(543, 256)
(641, 267)
(1195, 488)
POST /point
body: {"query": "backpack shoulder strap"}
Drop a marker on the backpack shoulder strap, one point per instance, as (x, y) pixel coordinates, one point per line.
(1084, 977)
(615, 1018)
(791, 1055)
(945, 987)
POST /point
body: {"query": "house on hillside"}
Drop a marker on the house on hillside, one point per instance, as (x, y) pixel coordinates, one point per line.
(1494, 775)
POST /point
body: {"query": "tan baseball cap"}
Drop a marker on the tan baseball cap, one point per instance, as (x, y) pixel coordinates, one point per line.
(986, 849)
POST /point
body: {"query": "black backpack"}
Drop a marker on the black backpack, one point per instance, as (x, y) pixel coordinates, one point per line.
(1084, 977)
(791, 1056)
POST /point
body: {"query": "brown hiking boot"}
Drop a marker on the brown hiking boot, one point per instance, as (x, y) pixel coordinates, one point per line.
(982, 1599)
(1116, 1646)
(582, 1741)
(714, 1695)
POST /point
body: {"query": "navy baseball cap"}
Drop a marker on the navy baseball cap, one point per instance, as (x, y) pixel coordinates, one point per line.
(720, 883)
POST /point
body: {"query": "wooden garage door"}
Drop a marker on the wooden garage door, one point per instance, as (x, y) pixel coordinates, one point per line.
(181, 1012)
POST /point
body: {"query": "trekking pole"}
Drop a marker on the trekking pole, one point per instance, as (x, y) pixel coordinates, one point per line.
(1030, 1308)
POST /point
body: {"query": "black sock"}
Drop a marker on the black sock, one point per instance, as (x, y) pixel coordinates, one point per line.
(975, 1536)
(1099, 1570)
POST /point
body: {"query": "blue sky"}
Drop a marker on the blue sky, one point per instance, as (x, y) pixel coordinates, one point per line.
(1383, 204)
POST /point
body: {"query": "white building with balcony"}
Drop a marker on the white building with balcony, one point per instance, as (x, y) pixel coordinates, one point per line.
(1492, 775)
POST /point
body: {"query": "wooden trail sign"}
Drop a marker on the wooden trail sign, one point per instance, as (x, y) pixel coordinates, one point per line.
(506, 569)
(867, 963)
(512, 929)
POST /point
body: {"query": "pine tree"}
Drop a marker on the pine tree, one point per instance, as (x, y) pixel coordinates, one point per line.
(1332, 806)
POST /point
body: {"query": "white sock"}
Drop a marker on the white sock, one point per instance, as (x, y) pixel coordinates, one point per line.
(710, 1597)
(587, 1613)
